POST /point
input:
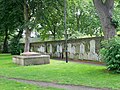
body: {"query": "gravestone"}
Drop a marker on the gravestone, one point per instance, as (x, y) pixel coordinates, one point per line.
(60, 47)
(82, 48)
(42, 49)
(69, 47)
(72, 53)
(92, 55)
(50, 48)
(77, 51)
(58, 51)
(83, 54)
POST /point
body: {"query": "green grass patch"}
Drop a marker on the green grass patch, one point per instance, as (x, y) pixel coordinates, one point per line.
(63, 73)
(13, 85)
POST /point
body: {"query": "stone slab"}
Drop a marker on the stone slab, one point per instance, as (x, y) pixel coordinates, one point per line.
(31, 60)
(30, 54)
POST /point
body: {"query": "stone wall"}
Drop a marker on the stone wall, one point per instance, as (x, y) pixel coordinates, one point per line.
(83, 49)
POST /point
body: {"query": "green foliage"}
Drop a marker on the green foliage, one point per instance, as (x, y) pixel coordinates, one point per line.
(110, 53)
(15, 47)
(114, 23)
(116, 15)
(87, 22)
(75, 35)
(10, 18)
(50, 17)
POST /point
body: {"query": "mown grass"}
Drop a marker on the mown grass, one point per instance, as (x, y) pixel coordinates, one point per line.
(61, 72)
(13, 85)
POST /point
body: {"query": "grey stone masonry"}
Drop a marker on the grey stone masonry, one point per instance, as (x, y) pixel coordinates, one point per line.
(77, 49)
(31, 60)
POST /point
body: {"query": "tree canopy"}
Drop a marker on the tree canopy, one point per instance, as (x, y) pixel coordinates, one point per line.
(47, 18)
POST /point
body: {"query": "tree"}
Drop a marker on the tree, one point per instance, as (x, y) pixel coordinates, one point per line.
(51, 19)
(105, 9)
(82, 19)
(35, 9)
(27, 18)
(15, 12)
(116, 14)
(10, 19)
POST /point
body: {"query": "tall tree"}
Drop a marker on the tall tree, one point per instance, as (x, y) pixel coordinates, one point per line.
(10, 19)
(105, 9)
(36, 9)
(51, 20)
(27, 30)
(82, 19)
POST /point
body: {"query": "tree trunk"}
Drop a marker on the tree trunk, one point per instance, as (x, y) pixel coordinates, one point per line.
(27, 30)
(104, 10)
(5, 45)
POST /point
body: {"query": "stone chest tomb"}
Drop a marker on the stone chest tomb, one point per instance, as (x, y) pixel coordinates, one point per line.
(31, 58)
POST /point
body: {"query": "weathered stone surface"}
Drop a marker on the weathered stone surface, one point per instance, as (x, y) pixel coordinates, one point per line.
(50, 48)
(82, 54)
(31, 60)
(83, 49)
(30, 54)
(92, 55)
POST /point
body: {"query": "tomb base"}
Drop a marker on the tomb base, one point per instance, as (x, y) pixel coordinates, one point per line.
(31, 59)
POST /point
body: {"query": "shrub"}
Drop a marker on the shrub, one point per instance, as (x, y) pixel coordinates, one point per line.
(110, 54)
(15, 47)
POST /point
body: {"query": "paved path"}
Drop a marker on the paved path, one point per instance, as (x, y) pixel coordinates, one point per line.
(48, 84)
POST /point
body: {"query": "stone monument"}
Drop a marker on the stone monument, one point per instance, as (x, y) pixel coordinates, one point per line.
(31, 58)
(92, 55)
(83, 54)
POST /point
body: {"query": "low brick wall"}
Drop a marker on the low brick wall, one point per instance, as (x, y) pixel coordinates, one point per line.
(83, 49)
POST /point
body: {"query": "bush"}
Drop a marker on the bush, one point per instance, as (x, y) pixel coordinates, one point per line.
(15, 47)
(110, 54)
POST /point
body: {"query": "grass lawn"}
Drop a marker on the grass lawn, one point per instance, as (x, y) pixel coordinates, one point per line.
(60, 72)
(13, 85)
